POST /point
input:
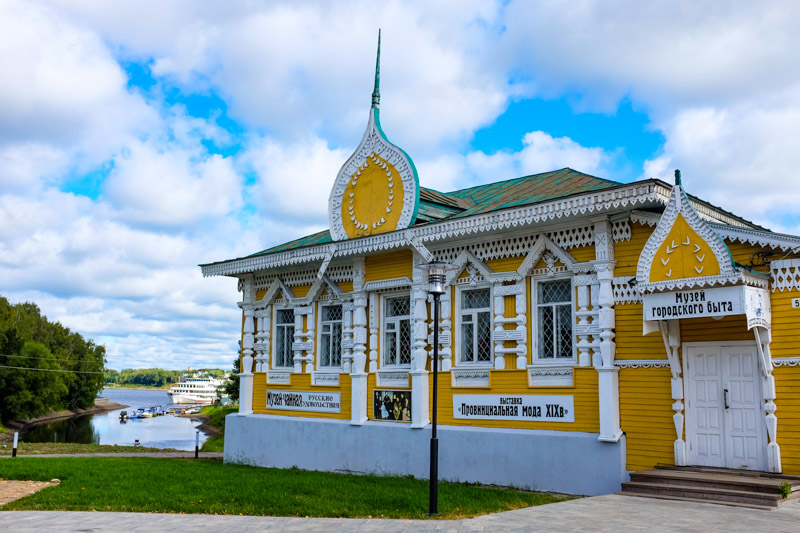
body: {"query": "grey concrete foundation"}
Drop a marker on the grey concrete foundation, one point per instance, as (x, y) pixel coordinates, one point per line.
(561, 461)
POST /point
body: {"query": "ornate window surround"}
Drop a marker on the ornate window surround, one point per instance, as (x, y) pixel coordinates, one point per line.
(536, 362)
(459, 290)
(381, 353)
(274, 348)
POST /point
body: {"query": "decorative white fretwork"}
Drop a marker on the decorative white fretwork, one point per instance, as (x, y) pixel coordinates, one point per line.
(786, 361)
(470, 377)
(621, 230)
(679, 205)
(641, 363)
(624, 292)
(587, 328)
(631, 196)
(785, 275)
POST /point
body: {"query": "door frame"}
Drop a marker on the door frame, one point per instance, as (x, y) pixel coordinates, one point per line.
(690, 413)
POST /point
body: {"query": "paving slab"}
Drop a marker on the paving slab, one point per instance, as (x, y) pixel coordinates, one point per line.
(610, 513)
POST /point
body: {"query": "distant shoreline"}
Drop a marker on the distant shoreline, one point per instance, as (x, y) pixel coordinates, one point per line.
(137, 387)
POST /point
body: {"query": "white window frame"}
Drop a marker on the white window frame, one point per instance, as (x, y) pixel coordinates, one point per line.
(459, 314)
(554, 361)
(320, 332)
(274, 359)
(384, 330)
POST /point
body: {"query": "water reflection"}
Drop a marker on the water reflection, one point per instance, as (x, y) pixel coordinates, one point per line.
(79, 430)
(106, 428)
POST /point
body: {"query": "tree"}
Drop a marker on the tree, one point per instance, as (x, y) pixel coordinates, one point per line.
(231, 387)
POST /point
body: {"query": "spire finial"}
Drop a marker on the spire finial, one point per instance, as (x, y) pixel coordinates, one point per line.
(376, 93)
(677, 177)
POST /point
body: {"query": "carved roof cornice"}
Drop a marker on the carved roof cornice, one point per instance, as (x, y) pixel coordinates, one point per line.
(631, 196)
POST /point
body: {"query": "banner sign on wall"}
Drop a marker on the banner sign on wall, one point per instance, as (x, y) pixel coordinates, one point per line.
(528, 407)
(392, 405)
(321, 402)
(712, 302)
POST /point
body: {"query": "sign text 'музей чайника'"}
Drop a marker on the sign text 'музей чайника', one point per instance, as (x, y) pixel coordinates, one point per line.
(322, 402)
(530, 407)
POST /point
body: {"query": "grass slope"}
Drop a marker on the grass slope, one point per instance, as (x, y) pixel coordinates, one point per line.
(46, 448)
(211, 487)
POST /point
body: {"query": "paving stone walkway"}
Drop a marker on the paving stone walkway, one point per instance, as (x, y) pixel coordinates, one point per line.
(611, 513)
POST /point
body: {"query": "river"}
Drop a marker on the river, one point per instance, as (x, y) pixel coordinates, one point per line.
(106, 428)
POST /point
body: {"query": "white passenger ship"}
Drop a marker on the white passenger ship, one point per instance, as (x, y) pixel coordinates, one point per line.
(195, 390)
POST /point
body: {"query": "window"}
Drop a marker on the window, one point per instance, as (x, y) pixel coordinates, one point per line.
(554, 320)
(331, 336)
(397, 331)
(284, 337)
(475, 316)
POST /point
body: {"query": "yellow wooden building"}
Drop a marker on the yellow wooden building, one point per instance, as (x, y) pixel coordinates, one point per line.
(590, 328)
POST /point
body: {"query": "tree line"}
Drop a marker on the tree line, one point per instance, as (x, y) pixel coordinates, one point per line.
(43, 365)
(153, 377)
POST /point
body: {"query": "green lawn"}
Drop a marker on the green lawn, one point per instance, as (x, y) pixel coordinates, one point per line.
(44, 448)
(211, 487)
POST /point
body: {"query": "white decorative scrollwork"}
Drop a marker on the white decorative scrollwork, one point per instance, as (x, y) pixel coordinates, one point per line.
(786, 361)
(641, 363)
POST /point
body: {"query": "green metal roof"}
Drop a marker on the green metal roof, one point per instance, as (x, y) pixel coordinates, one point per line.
(436, 206)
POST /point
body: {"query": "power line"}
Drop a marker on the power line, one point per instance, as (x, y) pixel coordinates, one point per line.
(46, 358)
(51, 370)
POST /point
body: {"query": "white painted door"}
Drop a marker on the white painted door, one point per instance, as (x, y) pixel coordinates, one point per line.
(724, 413)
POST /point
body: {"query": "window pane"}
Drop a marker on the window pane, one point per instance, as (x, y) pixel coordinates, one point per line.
(336, 345)
(325, 350)
(400, 306)
(564, 331)
(546, 338)
(475, 299)
(390, 348)
(555, 291)
(285, 316)
(484, 339)
(331, 312)
(405, 342)
(467, 350)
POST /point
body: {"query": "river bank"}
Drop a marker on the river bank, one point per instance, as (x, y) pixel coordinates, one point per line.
(22, 426)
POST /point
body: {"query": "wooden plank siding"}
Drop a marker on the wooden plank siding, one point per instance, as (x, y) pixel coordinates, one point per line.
(631, 344)
(787, 383)
(646, 416)
(389, 266)
(785, 320)
(627, 253)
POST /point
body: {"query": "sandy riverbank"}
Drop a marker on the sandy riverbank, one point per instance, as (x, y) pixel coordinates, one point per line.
(24, 425)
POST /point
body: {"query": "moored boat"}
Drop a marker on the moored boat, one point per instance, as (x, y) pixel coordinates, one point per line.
(202, 390)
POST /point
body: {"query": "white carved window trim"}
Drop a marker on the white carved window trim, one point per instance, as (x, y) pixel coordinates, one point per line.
(321, 332)
(383, 331)
(275, 326)
(459, 312)
(534, 314)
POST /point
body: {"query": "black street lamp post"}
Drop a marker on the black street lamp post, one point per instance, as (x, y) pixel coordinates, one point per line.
(437, 276)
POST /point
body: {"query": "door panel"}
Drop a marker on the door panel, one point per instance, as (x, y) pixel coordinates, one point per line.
(724, 416)
(706, 436)
(745, 416)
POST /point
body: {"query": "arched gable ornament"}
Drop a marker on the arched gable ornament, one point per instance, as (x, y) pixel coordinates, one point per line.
(377, 189)
(465, 260)
(545, 248)
(683, 251)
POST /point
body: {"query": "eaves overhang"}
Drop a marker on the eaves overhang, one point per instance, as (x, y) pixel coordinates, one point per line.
(646, 193)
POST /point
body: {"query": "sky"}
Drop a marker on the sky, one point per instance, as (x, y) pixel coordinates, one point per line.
(139, 139)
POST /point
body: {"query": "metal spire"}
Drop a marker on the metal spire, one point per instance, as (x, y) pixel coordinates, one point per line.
(376, 93)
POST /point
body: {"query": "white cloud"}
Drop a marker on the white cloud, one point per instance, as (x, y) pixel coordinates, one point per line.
(295, 179)
(157, 187)
(742, 158)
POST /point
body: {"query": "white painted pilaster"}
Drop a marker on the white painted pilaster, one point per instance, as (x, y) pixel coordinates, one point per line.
(358, 412)
(373, 331)
(499, 320)
(607, 375)
(248, 340)
(769, 393)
